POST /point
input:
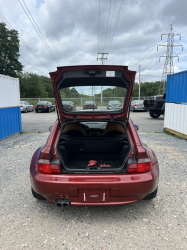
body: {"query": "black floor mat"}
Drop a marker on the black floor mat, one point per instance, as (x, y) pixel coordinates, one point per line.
(84, 164)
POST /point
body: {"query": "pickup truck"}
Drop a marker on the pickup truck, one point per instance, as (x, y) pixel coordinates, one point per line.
(154, 105)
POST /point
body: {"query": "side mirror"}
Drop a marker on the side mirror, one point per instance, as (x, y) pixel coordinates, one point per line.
(50, 128)
(136, 127)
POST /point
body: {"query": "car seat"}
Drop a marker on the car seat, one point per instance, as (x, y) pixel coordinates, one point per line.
(73, 129)
(113, 128)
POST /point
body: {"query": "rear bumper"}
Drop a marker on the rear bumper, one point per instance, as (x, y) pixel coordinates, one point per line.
(42, 109)
(117, 188)
(139, 108)
(22, 109)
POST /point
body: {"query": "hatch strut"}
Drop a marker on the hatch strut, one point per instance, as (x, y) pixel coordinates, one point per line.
(128, 115)
(59, 123)
(127, 121)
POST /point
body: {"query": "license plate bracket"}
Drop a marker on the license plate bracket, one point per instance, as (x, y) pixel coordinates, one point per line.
(94, 195)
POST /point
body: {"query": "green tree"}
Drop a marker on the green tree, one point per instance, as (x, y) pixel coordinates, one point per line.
(31, 85)
(9, 52)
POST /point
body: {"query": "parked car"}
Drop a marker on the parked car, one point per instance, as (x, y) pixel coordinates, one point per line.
(154, 105)
(90, 105)
(115, 104)
(26, 106)
(110, 166)
(137, 105)
(44, 106)
(68, 106)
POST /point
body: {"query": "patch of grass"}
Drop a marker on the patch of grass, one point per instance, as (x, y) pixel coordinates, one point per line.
(176, 136)
(159, 132)
(24, 132)
(39, 132)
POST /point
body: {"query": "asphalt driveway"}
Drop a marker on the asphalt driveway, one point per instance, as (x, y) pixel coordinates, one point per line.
(40, 122)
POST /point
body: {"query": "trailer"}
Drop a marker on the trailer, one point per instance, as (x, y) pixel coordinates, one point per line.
(175, 120)
(10, 112)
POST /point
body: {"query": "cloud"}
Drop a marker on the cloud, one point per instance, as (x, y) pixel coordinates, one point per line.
(71, 29)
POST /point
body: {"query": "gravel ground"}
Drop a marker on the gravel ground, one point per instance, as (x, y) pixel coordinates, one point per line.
(26, 223)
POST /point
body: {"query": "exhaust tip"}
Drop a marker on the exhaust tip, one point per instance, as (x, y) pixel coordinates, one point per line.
(63, 202)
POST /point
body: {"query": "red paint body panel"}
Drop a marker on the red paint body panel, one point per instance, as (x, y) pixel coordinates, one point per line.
(130, 188)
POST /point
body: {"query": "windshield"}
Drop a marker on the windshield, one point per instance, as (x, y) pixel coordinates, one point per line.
(93, 98)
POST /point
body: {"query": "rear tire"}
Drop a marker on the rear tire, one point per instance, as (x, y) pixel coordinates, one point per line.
(151, 195)
(36, 111)
(49, 110)
(154, 114)
(36, 195)
(26, 110)
(132, 109)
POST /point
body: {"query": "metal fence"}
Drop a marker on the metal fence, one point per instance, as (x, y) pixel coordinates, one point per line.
(80, 101)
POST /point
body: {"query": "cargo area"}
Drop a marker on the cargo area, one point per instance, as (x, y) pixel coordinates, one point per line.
(103, 152)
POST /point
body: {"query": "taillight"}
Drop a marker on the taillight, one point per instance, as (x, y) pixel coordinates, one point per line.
(45, 167)
(69, 106)
(35, 106)
(143, 166)
(110, 106)
(135, 105)
(45, 106)
(119, 105)
(21, 106)
(155, 103)
(94, 106)
(84, 106)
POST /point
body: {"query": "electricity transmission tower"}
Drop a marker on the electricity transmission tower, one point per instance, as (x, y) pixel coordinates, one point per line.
(169, 55)
(102, 58)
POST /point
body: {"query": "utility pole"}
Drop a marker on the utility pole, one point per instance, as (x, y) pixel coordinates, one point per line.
(102, 58)
(169, 54)
(139, 80)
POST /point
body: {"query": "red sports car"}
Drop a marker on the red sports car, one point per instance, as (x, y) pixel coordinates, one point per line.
(94, 157)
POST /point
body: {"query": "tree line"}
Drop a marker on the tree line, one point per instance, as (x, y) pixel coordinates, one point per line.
(35, 86)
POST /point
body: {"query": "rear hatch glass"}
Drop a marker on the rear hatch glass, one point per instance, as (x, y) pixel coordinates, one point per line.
(98, 90)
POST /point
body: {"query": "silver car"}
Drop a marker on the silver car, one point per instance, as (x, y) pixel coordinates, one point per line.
(137, 105)
(26, 106)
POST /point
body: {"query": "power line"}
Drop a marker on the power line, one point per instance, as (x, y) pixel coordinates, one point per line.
(115, 26)
(110, 24)
(148, 50)
(99, 26)
(38, 30)
(21, 40)
(107, 26)
(41, 22)
(31, 65)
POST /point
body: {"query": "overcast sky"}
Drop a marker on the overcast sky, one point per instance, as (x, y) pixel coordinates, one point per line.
(128, 30)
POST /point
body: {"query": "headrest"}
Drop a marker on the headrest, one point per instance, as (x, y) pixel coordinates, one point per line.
(112, 126)
(73, 126)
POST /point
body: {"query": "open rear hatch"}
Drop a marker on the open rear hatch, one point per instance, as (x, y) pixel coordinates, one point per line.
(97, 83)
(108, 90)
